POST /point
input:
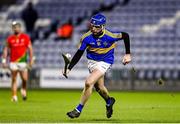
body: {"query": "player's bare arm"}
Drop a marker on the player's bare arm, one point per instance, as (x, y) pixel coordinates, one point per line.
(31, 57)
(5, 53)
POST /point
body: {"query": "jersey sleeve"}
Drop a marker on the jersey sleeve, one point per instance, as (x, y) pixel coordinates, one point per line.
(115, 35)
(82, 44)
(28, 40)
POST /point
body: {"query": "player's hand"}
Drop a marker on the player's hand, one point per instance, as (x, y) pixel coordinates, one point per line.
(126, 59)
(31, 63)
(4, 63)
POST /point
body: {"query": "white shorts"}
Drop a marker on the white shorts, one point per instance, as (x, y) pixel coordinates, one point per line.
(20, 66)
(100, 65)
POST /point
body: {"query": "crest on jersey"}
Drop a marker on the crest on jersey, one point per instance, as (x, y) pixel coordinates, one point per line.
(105, 43)
(92, 43)
(98, 42)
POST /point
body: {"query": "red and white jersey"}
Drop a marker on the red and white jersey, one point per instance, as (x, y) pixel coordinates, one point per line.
(18, 45)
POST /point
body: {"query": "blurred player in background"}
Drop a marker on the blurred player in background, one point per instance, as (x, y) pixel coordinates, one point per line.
(99, 44)
(17, 45)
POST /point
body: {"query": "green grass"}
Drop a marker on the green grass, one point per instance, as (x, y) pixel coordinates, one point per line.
(52, 105)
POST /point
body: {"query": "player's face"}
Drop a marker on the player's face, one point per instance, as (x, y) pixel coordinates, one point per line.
(96, 30)
(16, 29)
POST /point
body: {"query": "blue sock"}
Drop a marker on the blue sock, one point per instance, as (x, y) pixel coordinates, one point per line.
(108, 102)
(79, 108)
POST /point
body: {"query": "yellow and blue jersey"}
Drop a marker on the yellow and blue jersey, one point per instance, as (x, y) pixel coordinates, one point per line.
(100, 48)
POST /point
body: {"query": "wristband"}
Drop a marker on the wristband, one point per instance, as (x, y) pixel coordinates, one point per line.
(3, 60)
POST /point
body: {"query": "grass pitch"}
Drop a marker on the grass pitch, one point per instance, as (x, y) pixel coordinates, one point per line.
(52, 105)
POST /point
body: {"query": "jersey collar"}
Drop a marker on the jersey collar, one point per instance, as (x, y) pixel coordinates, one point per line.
(102, 33)
(18, 35)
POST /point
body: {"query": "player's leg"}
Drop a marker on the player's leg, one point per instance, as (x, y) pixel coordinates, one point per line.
(14, 85)
(24, 78)
(102, 90)
(89, 84)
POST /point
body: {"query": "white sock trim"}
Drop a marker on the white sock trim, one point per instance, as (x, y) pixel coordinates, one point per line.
(77, 110)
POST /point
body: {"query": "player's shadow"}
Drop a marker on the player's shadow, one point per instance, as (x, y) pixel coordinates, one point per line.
(106, 120)
(125, 121)
(115, 120)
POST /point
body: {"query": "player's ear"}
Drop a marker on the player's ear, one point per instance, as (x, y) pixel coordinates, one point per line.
(103, 27)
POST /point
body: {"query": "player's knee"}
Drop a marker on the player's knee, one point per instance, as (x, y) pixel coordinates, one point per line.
(97, 87)
(88, 83)
(24, 80)
(14, 79)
